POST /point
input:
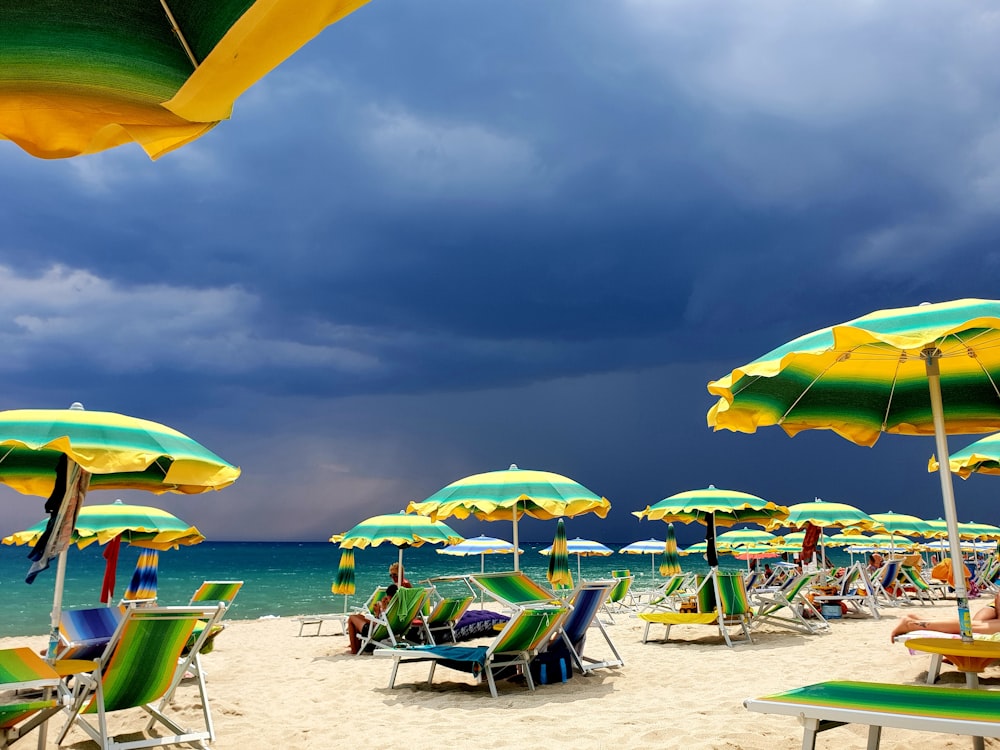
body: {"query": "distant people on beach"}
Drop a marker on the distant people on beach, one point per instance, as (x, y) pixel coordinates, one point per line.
(875, 562)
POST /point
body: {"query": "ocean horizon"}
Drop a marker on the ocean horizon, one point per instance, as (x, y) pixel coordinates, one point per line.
(282, 578)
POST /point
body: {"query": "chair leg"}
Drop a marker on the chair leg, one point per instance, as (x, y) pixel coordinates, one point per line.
(392, 675)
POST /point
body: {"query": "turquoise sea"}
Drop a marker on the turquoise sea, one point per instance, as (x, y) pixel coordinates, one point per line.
(280, 579)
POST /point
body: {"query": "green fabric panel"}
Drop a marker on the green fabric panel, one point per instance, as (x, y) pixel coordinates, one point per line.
(733, 593)
(403, 608)
(217, 591)
(13, 713)
(448, 610)
(513, 588)
(621, 588)
(24, 463)
(529, 629)
(127, 42)
(203, 24)
(979, 705)
(143, 664)
(706, 594)
(13, 667)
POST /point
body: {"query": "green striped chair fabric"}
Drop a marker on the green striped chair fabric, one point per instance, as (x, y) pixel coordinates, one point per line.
(443, 615)
(141, 665)
(513, 589)
(22, 669)
(393, 625)
(726, 587)
(216, 592)
(781, 606)
(510, 653)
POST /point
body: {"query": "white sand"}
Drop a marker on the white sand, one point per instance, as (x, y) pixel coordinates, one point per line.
(271, 688)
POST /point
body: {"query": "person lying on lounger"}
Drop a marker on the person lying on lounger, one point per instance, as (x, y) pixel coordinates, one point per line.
(357, 623)
(985, 622)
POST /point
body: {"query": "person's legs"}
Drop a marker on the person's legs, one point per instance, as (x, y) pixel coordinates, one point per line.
(909, 623)
(989, 612)
(355, 623)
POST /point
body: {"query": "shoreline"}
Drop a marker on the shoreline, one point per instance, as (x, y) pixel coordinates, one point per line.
(270, 687)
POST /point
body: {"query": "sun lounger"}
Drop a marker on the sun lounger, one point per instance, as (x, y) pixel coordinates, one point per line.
(786, 606)
(586, 602)
(510, 652)
(32, 700)
(733, 608)
(856, 590)
(827, 705)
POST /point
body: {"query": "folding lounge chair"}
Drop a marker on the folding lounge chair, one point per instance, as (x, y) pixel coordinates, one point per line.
(621, 599)
(139, 667)
(733, 608)
(442, 616)
(586, 602)
(214, 593)
(513, 590)
(915, 585)
(83, 633)
(780, 606)
(393, 625)
(827, 705)
(510, 652)
(886, 583)
(856, 590)
(31, 701)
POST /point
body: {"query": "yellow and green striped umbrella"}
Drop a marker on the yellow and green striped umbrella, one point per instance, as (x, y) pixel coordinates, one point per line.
(558, 573)
(398, 529)
(973, 530)
(121, 452)
(670, 565)
(826, 515)
(137, 525)
(77, 77)
(982, 457)
(344, 583)
(511, 494)
(713, 507)
(932, 369)
(902, 523)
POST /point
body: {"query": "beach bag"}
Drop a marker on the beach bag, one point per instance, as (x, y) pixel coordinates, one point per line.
(552, 665)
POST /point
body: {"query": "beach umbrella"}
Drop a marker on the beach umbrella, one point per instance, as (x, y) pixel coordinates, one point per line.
(901, 523)
(713, 507)
(77, 77)
(558, 573)
(144, 583)
(401, 530)
(511, 494)
(344, 582)
(670, 565)
(823, 515)
(926, 370)
(982, 457)
(62, 453)
(744, 538)
(973, 530)
(581, 548)
(110, 525)
(482, 546)
(651, 547)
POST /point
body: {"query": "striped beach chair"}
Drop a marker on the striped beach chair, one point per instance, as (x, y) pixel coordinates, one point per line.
(510, 653)
(139, 668)
(586, 602)
(786, 605)
(393, 625)
(513, 589)
(22, 669)
(442, 615)
(721, 601)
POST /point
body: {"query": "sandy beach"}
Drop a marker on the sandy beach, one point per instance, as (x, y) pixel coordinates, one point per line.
(269, 687)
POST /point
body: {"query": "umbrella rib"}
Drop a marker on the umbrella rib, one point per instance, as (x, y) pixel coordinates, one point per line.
(892, 391)
(180, 36)
(972, 353)
(843, 357)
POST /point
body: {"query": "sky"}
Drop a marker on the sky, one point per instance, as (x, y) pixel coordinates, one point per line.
(445, 237)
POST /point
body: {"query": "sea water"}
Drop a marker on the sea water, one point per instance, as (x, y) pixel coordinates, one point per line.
(280, 578)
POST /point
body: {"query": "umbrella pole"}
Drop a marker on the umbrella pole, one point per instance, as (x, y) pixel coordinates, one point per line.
(652, 566)
(948, 493)
(516, 563)
(57, 607)
(401, 573)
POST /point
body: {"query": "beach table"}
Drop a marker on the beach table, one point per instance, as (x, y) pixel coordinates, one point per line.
(970, 658)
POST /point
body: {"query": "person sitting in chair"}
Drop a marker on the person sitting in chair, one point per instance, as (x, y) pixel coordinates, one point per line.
(394, 575)
(357, 623)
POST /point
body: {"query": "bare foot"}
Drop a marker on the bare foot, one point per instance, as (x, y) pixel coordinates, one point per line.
(906, 624)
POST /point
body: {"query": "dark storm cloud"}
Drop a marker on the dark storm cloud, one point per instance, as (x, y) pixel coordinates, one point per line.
(448, 236)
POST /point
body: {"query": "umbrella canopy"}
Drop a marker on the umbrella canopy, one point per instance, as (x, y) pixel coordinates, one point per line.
(713, 507)
(826, 515)
(511, 494)
(482, 546)
(925, 370)
(973, 530)
(558, 573)
(651, 547)
(582, 548)
(902, 523)
(136, 525)
(80, 77)
(890, 541)
(399, 529)
(983, 456)
(344, 582)
(671, 563)
(744, 538)
(61, 453)
(145, 579)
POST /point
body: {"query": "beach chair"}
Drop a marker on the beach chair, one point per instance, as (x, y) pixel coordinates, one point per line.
(442, 616)
(509, 654)
(621, 599)
(855, 589)
(586, 601)
(213, 593)
(392, 626)
(786, 605)
(721, 600)
(915, 586)
(513, 590)
(885, 581)
(32, 698)
(986, 574)
(139, 668)
(827, 705)
(83, 633)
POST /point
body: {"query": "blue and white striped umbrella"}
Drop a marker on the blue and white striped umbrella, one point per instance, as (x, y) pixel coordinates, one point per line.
(482, 546)
(651, 547)
(582, 548)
